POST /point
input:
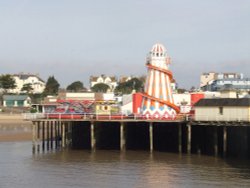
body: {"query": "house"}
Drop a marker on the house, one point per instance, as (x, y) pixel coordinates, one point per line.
(230, 83)
(111, 81)
(223, 109)
(218, 81)
(16, 101)
(125, 78)
(35, 81)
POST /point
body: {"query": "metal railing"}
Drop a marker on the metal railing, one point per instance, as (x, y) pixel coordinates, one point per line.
(220, 118)
(92, 116)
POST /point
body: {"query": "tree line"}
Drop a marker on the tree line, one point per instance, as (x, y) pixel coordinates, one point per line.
(52, 86)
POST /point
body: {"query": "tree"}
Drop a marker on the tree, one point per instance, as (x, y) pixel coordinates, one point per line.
(7, 82)
(180, 90)
(100, 87)
(76, 86)
(192, 89)
(127, 87)
(52, 86)
(27, 88)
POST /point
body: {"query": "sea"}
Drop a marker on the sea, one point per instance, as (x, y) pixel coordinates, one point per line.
(19, 168)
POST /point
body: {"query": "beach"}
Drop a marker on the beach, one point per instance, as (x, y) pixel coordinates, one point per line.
(14, 128)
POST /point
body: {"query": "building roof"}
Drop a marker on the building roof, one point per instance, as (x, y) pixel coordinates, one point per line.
(223, 102)
(94, 78)
(232, 79)
(15, 97)
(23, 76)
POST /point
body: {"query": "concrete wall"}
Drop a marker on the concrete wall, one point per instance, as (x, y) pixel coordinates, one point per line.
(229, 114)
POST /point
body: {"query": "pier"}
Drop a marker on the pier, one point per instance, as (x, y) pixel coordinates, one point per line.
(225, 139)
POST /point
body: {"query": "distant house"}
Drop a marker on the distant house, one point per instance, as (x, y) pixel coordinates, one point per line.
(16, 101)
(230, 83)
(125, 78)
(220, 81)
(21, 79)
(223, 109)
(111, 81)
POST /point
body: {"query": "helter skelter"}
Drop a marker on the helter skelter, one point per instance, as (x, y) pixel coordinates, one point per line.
(158, 102)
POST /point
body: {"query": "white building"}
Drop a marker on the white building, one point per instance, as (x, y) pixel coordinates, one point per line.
(227, 109)
(21, 79)
(16, 101)
(183, 101)
(207, 79)
(111, 81)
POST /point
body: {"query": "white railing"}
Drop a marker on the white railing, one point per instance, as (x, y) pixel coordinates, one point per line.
(220, 118)
(33, 116)
(91, 116)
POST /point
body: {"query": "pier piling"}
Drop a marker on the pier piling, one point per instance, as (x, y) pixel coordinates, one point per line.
(92, 133)
(151, 142)
(189, 138)
(122, 137)
(224, 141)
(180, 138)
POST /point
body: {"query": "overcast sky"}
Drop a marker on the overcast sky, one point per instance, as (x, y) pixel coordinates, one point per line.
(73, 39)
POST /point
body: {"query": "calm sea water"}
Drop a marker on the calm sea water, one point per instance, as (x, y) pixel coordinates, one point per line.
(19, 168)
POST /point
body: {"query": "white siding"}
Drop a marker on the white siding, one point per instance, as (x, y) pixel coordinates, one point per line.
(229, 114)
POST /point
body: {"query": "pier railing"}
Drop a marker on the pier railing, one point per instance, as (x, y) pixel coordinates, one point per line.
(61, 116)
(220, 118)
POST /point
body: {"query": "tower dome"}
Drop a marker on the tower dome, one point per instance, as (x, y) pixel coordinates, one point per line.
(158, 50)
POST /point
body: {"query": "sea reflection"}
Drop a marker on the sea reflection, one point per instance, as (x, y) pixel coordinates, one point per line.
(75, 168)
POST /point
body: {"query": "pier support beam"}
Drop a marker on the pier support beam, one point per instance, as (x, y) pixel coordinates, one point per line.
(34, 137)
(215, 141)
(56, 134)
(51, 135)
(151, 142)
(63, 134)
(122, 137)
(43, 135)
(189, 138)
(59, 125)
(38, 136)
(180, 138)
(224, 141)
(47, 133)
(92, 133)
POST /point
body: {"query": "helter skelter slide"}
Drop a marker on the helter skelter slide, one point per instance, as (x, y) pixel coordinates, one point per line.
(158, 102)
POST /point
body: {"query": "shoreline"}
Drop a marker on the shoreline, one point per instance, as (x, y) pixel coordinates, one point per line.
(13, 128)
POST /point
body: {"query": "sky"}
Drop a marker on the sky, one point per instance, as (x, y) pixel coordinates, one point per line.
(74, 39)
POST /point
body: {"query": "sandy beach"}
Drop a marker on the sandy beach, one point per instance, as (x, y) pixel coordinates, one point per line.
(14, 128)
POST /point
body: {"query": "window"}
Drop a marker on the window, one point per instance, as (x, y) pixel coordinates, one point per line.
(221, 110)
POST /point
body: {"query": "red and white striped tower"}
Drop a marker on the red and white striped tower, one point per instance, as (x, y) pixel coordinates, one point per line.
(158, 99)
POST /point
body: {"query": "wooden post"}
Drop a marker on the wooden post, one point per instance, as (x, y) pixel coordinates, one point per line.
(215, 141)
(92, 133)
(151, 142)
(43, 136)
(59, 132)
(122, 137)
(189, 134)
(51, 134)
(69, 134)
(38, 136)
(63, 134)
(56, 134)
(34, 138)
(179, 138)
(47, 133)
(224, 141)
